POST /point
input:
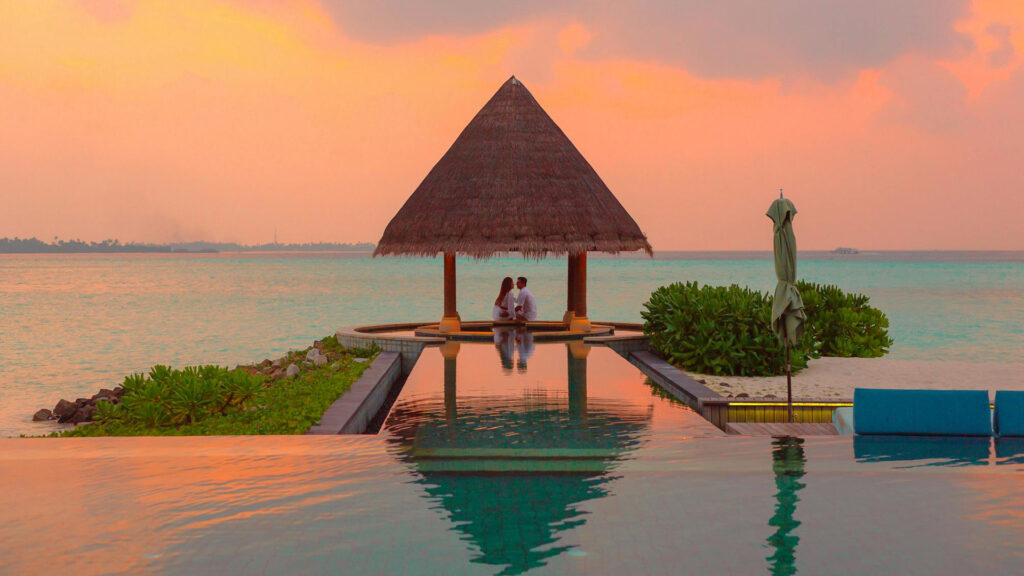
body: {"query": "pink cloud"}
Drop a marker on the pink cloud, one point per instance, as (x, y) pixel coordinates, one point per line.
(741, 38)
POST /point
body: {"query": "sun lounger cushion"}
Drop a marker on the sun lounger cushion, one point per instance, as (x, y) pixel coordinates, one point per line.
(922, 412)
(1009, 415)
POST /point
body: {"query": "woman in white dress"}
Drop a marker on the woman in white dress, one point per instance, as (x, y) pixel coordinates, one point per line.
(505, 303)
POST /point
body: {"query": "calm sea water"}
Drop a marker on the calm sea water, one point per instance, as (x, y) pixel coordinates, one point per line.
(70, 324)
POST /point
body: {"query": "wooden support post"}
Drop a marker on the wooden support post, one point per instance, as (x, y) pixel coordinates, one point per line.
(580, 305)
(450, 321)
(580, 322)
(570, 301)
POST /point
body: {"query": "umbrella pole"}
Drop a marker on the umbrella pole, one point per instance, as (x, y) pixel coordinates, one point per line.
(789, 383)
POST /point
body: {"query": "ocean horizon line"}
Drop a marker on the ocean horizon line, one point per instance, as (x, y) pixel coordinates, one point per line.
(989, 256)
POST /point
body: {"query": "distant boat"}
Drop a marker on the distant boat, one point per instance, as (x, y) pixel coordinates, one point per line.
(842, 250)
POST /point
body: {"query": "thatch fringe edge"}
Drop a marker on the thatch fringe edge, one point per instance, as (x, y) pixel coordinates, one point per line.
(535, 250)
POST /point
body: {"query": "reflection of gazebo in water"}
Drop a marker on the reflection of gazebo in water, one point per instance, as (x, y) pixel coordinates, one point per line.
(513, 182)
(512, 472)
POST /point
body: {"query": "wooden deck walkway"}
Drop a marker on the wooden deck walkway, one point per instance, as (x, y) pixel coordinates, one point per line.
(781, 429)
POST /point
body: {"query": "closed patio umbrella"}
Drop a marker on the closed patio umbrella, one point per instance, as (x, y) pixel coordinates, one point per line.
(788, 309)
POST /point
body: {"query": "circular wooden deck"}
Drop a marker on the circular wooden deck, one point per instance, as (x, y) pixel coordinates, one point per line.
(542, 331)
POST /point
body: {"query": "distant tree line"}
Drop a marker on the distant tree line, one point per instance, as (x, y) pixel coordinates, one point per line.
(37, 246)
(59, 246)
(274, 247)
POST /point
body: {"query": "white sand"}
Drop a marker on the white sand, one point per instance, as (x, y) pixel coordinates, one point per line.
(837, 377)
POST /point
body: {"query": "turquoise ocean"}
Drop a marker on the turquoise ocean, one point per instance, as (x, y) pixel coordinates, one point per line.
(71, 324)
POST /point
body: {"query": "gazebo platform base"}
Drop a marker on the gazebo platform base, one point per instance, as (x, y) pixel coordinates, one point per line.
(580, 324)
(542, 331)
(450, 324)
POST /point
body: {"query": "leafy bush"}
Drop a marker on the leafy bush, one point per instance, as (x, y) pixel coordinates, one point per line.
(209, 400)
(841, 324)
(168, 397)
(727, 330)
(716, 330)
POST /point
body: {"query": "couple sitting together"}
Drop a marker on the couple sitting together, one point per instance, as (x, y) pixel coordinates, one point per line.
(512, 308)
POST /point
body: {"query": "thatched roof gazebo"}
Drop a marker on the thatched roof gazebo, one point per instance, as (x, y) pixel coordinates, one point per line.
(512, 182)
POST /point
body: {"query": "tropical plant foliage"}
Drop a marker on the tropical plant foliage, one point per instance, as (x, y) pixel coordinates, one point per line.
(168, 397)
(842, 324)
(212, 400)
(727, 330)
(716, 330)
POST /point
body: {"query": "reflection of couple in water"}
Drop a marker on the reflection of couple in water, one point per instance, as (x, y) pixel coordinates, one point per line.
(509, 307)
(509, 341)
(514, 308)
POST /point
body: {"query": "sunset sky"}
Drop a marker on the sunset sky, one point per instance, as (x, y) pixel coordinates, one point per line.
(891, 125)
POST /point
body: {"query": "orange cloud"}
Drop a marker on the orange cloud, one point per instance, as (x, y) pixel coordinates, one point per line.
(997, 29)
(225, 120)
(572, 38)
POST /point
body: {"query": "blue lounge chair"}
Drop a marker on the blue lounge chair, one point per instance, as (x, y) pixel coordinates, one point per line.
(922, 412)
(1008, 419)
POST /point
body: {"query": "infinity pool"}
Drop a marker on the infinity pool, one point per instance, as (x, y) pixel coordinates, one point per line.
(485, 405)
(564, 461)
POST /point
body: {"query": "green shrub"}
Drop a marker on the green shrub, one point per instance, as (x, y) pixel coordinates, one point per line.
(727, 330)
(716, 330)
(210, 400)
(841, 324)
(169, 397)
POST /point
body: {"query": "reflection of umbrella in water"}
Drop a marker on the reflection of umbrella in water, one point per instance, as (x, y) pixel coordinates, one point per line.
(511, 472)
(788, 308)
(788, 463)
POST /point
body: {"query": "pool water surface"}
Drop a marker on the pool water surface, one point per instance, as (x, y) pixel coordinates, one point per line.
(551, 460)
(493, 406)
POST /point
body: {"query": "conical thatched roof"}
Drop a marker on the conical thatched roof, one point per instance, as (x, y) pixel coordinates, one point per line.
(512, 181)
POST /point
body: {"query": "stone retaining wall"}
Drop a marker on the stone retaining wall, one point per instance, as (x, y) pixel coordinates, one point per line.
(674, 380)
(351, 413)
(408, 347)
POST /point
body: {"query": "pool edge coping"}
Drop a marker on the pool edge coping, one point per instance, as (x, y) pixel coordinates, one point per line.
(632, 345)
(352, 412)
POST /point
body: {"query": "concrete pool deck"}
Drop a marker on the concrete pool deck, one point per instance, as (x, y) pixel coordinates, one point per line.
(837, 377)
(353, 411)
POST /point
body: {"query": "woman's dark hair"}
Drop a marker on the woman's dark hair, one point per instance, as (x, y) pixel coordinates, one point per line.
(506, 287)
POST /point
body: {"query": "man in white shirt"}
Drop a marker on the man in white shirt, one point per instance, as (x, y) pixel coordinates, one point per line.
(526, 306)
